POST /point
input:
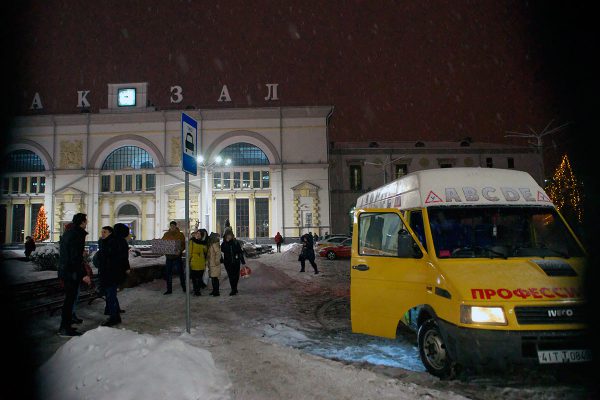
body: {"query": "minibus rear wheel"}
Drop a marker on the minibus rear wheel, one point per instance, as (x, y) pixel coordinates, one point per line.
(433, 351)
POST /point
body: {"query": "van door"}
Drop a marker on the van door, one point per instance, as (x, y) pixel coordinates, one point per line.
(389, 272)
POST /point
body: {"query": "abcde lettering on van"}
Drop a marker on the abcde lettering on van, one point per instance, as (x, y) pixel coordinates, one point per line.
(534, 293)
(467, 194)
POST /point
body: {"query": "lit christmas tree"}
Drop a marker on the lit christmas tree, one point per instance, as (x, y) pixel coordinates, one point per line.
(41, 231)
(566, 192)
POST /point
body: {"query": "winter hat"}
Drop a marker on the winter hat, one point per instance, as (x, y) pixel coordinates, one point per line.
(121, 230)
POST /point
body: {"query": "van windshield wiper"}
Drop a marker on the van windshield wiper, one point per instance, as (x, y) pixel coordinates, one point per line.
(496, 252)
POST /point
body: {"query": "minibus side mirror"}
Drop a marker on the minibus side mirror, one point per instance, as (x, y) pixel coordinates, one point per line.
(407, 247)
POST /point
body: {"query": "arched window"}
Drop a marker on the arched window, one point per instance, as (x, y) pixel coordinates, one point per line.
(23, 161)
(244, 154)
(128, 210)
(128, 157)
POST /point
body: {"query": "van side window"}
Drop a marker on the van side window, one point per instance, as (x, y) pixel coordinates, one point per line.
(416, 223)
(378, 234)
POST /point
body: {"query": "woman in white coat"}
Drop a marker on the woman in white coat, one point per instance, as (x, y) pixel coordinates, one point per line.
(214, 262)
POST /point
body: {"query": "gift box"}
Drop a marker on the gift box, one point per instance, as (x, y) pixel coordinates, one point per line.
(164, 246)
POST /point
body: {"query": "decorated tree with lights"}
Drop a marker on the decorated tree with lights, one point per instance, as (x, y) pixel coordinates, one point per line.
(41, 231)
(566, 192)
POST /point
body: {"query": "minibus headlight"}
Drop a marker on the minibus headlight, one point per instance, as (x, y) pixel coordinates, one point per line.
(482, 315)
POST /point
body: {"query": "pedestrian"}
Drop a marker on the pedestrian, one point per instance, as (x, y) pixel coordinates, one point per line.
(307, 252)
(315, 237)
(198, 249)
(174, 260)
(71, 270)
(29, 246)
(114, 266)
(214, 262)
(105, 237)
(104, 233)
(278, 240)
(233, 256)
(75, 319)
(227, 228)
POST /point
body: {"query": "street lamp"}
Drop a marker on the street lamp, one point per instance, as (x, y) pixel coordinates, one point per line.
(538, 143)
(384, 165)
(217, 162)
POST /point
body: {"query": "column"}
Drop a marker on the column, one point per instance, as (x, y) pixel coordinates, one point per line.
(27, 227)
(252, 216)
(142, 219)
(9, 213)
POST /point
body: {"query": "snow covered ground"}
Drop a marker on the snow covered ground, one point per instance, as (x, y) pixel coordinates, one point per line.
(286, 335)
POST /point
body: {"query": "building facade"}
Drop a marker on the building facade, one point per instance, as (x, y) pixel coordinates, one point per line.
(359, 167)
(123, 164)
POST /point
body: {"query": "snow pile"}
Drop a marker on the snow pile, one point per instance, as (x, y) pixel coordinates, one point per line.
(291, 251)
(115, 364)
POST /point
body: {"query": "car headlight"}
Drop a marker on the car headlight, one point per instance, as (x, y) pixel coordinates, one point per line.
(482, 315)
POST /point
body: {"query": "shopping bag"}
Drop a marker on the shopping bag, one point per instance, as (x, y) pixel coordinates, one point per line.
(245, 271)
(205, 276)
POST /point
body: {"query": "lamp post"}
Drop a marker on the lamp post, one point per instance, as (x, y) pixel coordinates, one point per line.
(538, 144)
(384, 165)
(217, 162)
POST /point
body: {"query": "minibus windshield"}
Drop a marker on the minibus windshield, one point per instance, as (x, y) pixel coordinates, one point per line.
(500, 232)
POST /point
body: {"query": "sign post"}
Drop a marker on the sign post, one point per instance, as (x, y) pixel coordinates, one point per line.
(189, 165)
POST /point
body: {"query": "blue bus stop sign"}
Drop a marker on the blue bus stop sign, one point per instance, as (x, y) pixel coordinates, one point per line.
(189, 144)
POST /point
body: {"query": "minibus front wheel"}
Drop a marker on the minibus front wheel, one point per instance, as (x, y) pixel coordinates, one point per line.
(433, 351)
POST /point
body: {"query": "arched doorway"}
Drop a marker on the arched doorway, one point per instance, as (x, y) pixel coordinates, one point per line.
(129, 215)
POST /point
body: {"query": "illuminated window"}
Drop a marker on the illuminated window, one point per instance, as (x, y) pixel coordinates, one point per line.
(355, 177)
(128, 157)
(226, 180)
(23, 161)
(33, 184)
(244, 154)
(150, 182)
(256, 179)
(217, 181)
(261, 207)
(400, 170)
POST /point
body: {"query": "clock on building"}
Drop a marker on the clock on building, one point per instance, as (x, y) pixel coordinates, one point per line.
(126, 97)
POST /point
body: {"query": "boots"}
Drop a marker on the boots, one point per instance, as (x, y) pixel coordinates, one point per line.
(215, 286)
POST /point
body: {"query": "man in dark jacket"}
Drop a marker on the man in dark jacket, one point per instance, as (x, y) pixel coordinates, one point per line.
(71, 270)
(113, 267)
(233, 256)
(308, 252)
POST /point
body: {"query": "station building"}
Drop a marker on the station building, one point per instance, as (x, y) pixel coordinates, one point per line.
(123, 164)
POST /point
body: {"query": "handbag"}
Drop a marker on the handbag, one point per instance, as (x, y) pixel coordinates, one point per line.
(205, 276)
(245, 271)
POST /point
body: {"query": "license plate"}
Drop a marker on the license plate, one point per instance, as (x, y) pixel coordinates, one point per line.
(564, 356)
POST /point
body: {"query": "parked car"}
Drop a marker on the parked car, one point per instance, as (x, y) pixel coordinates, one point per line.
(334, 235)
(341, 250)
(249, 248)
(332, 241)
